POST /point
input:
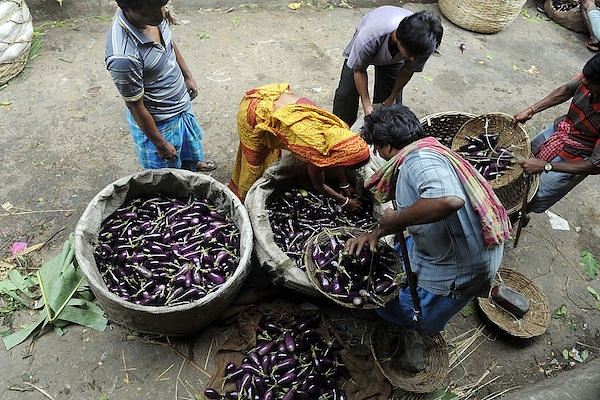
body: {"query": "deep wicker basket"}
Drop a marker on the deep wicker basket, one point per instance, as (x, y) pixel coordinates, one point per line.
(311, 266)
(570, 19)
(444, 125)
(534, 322)
(489, 16)
(514, 138)
(17, 33)
(384, 345)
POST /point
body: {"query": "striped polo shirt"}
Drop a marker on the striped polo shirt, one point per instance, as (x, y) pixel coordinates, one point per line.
(584, 118)
(141, 67)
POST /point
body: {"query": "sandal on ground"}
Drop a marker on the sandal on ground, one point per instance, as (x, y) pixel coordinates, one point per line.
(540, 8)
(206, 165)
(592, 46)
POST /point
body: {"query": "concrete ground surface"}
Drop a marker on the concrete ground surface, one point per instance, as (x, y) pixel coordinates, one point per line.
(65, 138)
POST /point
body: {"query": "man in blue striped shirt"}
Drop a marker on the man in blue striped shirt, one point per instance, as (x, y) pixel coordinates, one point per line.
(157, 86)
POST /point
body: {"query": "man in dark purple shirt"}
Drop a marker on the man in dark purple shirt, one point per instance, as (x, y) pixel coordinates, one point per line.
(397, 42)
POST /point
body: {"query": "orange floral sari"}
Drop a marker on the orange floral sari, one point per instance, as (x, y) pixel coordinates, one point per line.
(310, 133)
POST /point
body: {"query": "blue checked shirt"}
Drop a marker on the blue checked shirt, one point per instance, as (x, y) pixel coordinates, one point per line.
(449, 256)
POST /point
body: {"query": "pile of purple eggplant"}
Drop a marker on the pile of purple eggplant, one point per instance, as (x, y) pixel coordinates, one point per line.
(365, 281)
(296, 214)
(157, 251)
(490, 160)
(290, 361)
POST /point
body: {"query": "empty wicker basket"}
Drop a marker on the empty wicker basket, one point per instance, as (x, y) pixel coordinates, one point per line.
(389, 359)
(534, 322)
(489, 16)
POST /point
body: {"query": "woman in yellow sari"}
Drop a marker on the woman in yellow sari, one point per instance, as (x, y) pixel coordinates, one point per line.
(272, 118)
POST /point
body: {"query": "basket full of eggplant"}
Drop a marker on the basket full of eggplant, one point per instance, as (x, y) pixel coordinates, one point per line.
(285, 211)
(368, 280)
(492, 144)
(164, 251)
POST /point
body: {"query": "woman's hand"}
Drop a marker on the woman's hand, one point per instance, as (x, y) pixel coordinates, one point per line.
(353, 204)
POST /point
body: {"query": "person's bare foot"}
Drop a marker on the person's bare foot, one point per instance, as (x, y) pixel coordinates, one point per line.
(206, 165)
(592, 46)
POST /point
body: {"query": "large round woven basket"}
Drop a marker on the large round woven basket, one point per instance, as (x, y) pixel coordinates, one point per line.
(17, 32)
(512, 137)
(312, 269)
(570, 19)
(489, 16)
(444, 125)
(534, 322)
(384, 346)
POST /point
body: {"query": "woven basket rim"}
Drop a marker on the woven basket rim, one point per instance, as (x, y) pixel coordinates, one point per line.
(436, 356)
(522, 146)
(445, 124)
(311, 266)
(9, 70)
(446, 114)
(534, 322)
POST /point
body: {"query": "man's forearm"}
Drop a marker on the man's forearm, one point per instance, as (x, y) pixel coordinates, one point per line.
(401, 80)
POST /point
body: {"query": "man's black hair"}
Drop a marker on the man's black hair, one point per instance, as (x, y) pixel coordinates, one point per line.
(591, 69)
(139, 4)
(395, 125)
(420, 33)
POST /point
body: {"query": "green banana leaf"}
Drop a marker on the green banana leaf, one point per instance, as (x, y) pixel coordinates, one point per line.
(66, 298)
(59, 280)
(20, 336)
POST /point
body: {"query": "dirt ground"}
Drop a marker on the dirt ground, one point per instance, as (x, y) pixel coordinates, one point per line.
(65, 138)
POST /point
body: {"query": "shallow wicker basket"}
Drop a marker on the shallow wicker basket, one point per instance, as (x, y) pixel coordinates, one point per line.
(489, 16)
(514, 138)
(570, 19)
(534, 322)
(444, 125)
(311, 267)
(383, 344)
